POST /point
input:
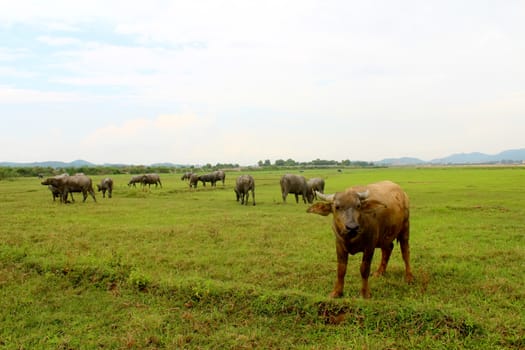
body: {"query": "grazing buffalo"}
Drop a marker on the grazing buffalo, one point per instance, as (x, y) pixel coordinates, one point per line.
(211, 177)
(365, 218)
(106, 185)
(219, 176)
(151, 179)
(186, 175)
(315, 184)
(243, 185)
(137, 179)
(194, 180)
(297, 185)
(68, 184)
(207, 178)
(55, 191)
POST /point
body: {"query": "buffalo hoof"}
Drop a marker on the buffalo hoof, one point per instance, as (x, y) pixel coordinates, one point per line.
(335, 294)
(365, 293)
(409, 278)
(377, 274)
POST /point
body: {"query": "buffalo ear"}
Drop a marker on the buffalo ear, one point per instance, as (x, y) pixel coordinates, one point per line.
(372, 205)
(321, 208)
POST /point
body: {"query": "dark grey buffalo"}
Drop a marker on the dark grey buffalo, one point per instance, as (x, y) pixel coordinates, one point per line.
(194, 180)
(55, 192)
(243, 185)
(211, 177)
(297, 185)
(186, 175)
(106, 185)
(315, 184)
(68, 184)
(137, 179)
(219, 176)
(151, 179)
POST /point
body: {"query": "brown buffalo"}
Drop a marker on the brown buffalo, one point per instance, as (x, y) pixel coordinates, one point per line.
(75, 183)
(365, 218)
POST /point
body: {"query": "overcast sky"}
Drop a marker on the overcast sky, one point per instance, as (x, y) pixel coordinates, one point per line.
(226, 81)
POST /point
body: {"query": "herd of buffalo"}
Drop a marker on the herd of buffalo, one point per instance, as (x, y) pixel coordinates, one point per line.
(364, 217)
(62, 186)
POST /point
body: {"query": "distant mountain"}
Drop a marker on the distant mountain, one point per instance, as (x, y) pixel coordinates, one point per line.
(79, 163)
(400, 161)
(515, 155)
(508, 156)
(51, 164)
(169, 165)
(462, 158)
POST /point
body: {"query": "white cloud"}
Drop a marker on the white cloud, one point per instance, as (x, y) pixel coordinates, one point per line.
(150, 140)
(381, 78)
(9, 95)
(58, 41)
(12, 54)
(12, 72)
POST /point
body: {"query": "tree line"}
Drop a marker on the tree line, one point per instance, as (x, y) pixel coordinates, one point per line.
(314, 163)
(38, 171)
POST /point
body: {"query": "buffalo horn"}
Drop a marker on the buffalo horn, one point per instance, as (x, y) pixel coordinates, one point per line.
(363, 195)
(325, 197)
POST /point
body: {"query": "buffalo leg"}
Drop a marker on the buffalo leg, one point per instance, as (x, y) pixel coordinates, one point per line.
(92, 193)
(365, 272)
(253, 197)
(385, 256)
(405, 251)
(296, 198)
(342, 262)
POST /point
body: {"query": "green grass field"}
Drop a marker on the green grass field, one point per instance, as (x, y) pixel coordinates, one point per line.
(179, 268)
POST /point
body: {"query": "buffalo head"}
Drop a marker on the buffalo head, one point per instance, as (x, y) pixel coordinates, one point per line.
(347, 208)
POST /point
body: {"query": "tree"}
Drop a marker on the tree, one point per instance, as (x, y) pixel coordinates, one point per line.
(290, 162)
